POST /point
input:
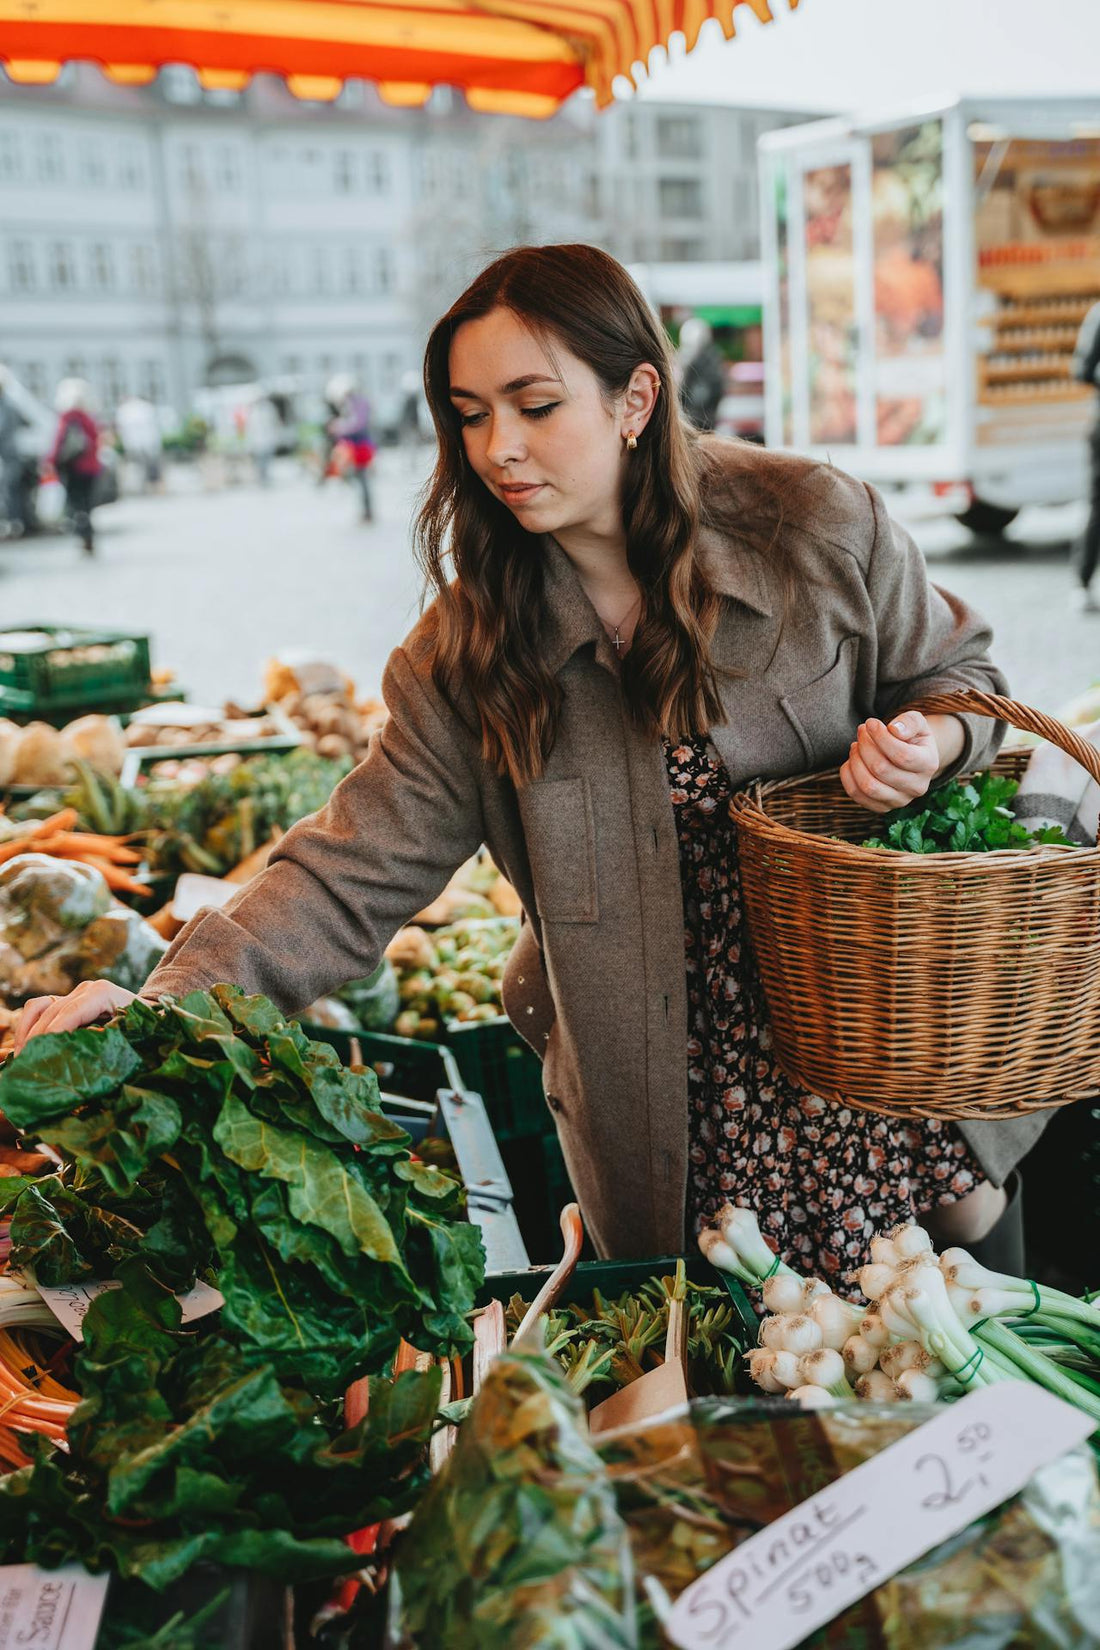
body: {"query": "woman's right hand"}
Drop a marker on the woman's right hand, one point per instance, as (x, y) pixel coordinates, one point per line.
(89, 1001)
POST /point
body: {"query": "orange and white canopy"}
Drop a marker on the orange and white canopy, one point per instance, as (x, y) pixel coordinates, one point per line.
(508, 56)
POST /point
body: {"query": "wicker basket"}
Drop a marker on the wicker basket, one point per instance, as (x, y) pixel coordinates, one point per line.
(957, 985)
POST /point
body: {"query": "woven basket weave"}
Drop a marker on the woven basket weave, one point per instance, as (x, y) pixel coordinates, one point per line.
(957, 985)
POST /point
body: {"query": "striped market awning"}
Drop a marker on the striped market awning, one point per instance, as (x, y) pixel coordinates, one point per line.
(508, 56)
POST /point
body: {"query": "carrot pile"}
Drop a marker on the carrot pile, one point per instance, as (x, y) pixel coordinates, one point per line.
(111, 856)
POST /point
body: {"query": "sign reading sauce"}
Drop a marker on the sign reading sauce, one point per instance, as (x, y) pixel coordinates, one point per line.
(50, 1609)
(807, 1567)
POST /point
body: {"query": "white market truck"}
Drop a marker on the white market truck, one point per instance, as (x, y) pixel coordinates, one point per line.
(925, 279)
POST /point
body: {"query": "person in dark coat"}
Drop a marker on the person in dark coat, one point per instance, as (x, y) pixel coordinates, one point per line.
(702, 374)
(75, 456)
(1086, 367)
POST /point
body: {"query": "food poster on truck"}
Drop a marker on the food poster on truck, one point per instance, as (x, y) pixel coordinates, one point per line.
(907, 234)
(1037, 247)
(780, 183)
(831, 304)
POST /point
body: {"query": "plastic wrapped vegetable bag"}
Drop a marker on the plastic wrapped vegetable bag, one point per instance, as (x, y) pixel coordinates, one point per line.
(531, 1534)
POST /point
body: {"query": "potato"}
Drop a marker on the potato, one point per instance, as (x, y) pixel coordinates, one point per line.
(10, 735)
(40, 756)
(97, 740)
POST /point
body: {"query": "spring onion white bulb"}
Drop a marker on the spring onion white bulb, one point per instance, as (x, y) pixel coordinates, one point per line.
(911, 1241)
(916, 1386)
(787, 1369)
(876, 1279)
(784, 1293)
(835, 1318)
(902, 1355)
(876, 1388)
(873, 1330)
(722, 1255)
(825, 1367)
(761, 1368)
(884, 1252)
(813, 1397)
(860, 1357)
(791, 1334)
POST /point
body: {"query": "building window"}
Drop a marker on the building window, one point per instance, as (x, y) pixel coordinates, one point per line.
(143, 269)
(324, 366)
(292, 365)
(101, 267)
(320, 270)
(591, 195)
(152, 383)
(378, 172)
(49, 158)
(34, 377)
(227, 171)
(62, 267)
(131, 173)
(680, 197)
(630, 136)
(344, 171)
(10, 163)
(234, 273)
(191, 168)
(21, 266)
(75, 367)
(383, 270)
(93, 168)
(352, 270)
(680, 251)
(679, 137)
(391, 372)
(360, 367)
(114, 382)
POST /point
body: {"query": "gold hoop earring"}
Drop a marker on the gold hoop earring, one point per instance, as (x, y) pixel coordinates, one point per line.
(631, 441)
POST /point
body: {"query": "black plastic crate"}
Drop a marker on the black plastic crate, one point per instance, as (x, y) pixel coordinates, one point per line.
(497, 1064)
(66, 668)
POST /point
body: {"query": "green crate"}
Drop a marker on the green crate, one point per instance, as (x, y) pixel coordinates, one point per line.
(541, 1189)
(414, 1070)
(497, 1064)
(618, 1277)
(49, 677)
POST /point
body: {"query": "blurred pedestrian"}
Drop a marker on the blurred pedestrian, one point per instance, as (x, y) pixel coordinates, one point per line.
(75, 455)
(263, 436)
(140, 437)
(351, 432)
(408, 422)
(702, 373)
(1086, 367)
(11, 459)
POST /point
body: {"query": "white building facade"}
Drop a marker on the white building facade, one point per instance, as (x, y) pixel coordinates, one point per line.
(160, 239)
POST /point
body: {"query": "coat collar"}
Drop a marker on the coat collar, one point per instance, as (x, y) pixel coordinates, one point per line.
(573, 623)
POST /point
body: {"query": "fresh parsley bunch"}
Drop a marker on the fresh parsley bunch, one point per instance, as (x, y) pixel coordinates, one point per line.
(962, 817)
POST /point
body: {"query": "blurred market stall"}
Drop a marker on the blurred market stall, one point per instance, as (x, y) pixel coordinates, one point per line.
(519, 57)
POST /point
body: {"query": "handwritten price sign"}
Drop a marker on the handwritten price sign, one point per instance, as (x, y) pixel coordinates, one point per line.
(805, 1569)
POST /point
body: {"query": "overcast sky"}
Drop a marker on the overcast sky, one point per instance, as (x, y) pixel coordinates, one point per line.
(854, 54)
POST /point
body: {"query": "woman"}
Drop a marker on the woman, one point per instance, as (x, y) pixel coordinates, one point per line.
(624, 589)
(75, 456)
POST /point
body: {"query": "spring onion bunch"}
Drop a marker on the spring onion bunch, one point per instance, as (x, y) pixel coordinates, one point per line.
(936, 1326)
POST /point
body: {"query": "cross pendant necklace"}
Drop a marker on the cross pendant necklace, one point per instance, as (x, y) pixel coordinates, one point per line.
(619, 641)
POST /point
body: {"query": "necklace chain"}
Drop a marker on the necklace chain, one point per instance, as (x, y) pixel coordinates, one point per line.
(618, 641)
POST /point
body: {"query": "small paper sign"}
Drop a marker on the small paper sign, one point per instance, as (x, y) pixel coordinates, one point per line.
(69, 1303)
(788, 1580)
(50, 1609)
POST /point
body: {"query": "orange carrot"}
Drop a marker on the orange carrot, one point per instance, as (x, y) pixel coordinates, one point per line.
(113, 875)
(64, 820)
(87, 841)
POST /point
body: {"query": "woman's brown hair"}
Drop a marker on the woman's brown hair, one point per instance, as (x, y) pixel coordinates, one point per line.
(489, 620)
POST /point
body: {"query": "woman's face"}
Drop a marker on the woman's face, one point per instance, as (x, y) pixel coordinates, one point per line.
(537, 431)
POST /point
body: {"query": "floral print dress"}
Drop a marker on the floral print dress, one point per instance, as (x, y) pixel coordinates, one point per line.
(821, 1178)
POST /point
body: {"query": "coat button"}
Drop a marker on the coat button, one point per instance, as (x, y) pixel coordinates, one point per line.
(553, 1102)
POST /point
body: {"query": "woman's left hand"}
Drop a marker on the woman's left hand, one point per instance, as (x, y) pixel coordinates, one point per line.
(888, 767)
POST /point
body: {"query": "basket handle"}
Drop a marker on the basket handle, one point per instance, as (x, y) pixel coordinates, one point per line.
(969, 702)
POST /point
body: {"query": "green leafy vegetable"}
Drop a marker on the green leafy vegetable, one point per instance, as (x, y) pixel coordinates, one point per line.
(970, 817)
(211, 1135)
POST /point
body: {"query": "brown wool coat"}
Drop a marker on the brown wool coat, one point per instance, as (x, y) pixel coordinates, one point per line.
(597, 981)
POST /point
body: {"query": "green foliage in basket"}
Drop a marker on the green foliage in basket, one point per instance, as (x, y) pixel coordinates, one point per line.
(962, 817)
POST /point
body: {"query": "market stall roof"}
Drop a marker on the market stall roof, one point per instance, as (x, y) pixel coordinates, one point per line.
(508, 56)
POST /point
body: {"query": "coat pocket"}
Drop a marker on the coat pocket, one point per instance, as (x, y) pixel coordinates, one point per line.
(823, 712)
(561, 845)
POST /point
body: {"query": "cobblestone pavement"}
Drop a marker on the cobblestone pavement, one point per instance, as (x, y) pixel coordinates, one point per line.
(224, 579)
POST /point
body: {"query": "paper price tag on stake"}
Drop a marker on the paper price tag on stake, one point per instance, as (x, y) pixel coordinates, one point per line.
(50, 1609)
(69, 1303)
(807, 1567)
